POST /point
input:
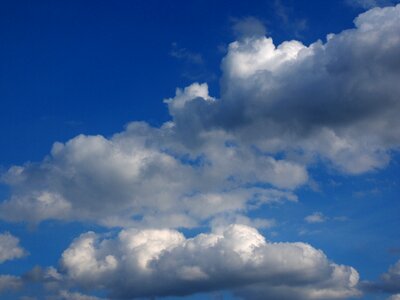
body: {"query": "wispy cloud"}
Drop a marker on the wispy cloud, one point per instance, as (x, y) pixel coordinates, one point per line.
(186, 55)
(316, 217)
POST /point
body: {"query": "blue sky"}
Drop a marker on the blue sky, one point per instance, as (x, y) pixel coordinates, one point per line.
(149, 147)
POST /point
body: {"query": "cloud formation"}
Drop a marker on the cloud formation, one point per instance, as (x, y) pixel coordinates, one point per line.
(336, 102)
(9, 283)
(281, 109)
(150, 263)
(337, 99)
(10, 248)
(141, 177)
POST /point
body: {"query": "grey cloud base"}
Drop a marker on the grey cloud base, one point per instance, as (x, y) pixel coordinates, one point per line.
(150, 263)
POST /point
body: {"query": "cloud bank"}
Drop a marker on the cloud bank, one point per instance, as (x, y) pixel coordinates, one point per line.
(150, 263)
(333, 101)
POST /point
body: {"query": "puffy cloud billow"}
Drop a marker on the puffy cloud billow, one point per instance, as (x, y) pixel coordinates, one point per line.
(140, 177)
(336, 101)
(150, 263)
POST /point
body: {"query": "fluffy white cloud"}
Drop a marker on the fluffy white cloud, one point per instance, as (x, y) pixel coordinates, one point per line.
(337, 100)
(9, 247)
(147, 263)
(394, 297)
(142, 177)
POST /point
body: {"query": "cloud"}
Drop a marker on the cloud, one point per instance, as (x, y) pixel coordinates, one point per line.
(67, 295)
(335, 100)
(9, 250)
(142, 177)
(9, 283)
(248, 27)
(367, 4)
(388, 283)
(281, 109)
(316, 217)
(186, 55)
(285, 16)
(9, 247)
(150, 263)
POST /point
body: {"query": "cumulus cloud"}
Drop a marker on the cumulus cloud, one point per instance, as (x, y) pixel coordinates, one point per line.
(333, 101)
(142, 177)
(9, 247)
(337, 99)
(150, 263)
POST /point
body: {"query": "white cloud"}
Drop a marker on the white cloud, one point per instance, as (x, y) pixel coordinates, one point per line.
(336, 100)
(143, 177)
(147, 263)
(316, 217)
(9, 247)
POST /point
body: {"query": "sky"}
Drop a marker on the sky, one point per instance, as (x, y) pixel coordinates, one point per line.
(199, 150)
